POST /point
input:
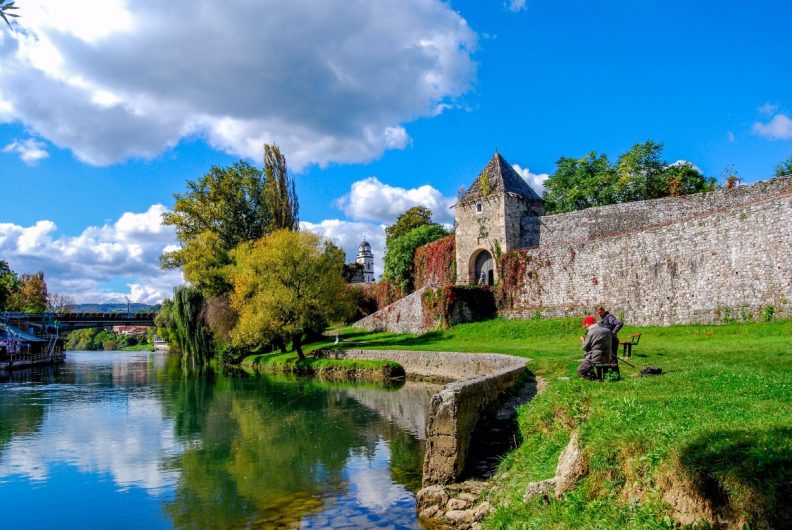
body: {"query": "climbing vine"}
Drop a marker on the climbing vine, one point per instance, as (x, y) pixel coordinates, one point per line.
(435, 263)
(441, 306)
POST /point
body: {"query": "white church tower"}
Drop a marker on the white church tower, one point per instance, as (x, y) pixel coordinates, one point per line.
(366, 258)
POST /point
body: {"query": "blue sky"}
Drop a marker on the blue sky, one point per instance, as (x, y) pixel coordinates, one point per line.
(107, 108)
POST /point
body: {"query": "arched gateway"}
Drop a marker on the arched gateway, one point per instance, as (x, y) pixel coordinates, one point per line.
(483, 267)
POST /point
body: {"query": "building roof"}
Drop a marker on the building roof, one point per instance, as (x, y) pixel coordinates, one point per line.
(502, 179)
(15, 332)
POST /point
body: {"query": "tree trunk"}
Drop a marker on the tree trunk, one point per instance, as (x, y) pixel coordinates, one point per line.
(297, 342)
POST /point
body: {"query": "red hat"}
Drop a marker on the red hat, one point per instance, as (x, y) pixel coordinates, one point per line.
(589, 320)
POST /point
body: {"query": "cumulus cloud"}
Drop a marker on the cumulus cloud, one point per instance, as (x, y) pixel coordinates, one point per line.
(327, 81)
(778, 128)
(30, 151)
(373, 200)
(348, 235)
(687, 163)
(82, 266)
(768, 109)
(516, 5)
(535, 180)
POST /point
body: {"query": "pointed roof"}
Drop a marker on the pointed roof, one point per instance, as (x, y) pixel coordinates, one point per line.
(502, 179)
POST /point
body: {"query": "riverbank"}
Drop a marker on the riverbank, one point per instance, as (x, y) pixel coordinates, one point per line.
(708, 439)
(365, 370)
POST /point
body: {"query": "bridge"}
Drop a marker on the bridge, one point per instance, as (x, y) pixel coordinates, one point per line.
(65, 322)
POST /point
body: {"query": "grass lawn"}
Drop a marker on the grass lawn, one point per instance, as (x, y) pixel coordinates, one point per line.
(718, 420)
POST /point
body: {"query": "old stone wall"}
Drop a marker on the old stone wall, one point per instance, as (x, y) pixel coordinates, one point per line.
(705, 258)
(456, 409)
(402, 316)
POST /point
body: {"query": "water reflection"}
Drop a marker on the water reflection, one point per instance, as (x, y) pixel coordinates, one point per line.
(212, 452)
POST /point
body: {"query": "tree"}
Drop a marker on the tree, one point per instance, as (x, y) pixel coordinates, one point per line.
(639, 174)
(280, 191)
(580, 183)
(409, 220)
(284, 284)
(30, 295)
(400, 253)
(224, 208)
(784, 168)
(5, 8)
(190, 332)
(9, 283)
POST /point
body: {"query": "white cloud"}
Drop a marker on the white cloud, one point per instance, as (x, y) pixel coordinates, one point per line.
(348, 235)
(327, 81)
(687, 163)
(778, 128)
(730, 137)
(373, 200)
(516, 5)
(83, 266)
(768, 109)
(30, 151)
(535, 180)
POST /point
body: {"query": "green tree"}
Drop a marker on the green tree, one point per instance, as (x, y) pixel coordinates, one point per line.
(784, 168)
(283, 285)
(409, 220)
(9, 283)
(224, 208)
(190, 332)
(400, 253)
(280, 191)
(639, 174)
(579, 183)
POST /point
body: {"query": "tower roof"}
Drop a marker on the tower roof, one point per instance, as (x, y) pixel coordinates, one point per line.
(502, 178)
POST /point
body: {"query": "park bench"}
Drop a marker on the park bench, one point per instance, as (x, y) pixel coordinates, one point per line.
(628, 344)
(602, 369)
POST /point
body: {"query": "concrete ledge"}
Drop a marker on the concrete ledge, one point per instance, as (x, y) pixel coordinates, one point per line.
(455, 411)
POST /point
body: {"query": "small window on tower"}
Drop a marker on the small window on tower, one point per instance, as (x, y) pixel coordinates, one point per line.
(479, 207)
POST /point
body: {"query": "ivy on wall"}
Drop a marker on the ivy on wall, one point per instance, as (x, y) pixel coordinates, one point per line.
(435, 263)
(444, 306)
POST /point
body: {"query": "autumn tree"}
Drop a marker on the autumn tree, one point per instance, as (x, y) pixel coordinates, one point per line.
(280, 190)
(30, 296)
(409, 220)
(284, 284)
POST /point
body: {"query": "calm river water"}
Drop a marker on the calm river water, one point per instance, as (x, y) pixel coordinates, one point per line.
(123, 440)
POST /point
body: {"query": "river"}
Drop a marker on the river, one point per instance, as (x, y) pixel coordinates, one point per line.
(123, 440)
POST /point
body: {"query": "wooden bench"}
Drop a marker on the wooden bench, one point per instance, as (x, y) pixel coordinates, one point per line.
(628, 344)
(602, 369)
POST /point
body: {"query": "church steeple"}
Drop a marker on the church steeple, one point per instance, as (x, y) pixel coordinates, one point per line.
(366, 258)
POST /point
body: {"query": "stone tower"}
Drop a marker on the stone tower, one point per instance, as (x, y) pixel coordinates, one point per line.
(498, 213)
(366, 258)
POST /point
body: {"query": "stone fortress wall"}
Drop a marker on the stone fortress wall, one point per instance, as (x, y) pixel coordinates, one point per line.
(701, 258)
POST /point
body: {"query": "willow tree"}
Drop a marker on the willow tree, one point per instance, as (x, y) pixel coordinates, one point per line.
(191, 335)
(285, 285)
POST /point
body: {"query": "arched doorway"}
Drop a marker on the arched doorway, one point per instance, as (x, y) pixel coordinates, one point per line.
(484, 268)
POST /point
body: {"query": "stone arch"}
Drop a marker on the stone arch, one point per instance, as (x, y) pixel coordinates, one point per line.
(482, 261)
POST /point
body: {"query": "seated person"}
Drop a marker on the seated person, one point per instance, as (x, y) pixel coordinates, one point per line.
(597, 348)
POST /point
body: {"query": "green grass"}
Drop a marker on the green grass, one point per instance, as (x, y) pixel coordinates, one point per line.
(290, 363)
(138, 347)
(718, 419)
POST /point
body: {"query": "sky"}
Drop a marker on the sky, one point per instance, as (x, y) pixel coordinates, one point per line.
(107, 108)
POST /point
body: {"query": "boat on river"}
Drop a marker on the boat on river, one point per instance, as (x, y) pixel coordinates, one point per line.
(23, 349)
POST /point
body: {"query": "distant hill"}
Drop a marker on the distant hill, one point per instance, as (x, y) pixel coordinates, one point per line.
(113, 307)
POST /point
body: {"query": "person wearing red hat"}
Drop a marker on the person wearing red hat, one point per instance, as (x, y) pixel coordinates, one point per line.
(597, 347)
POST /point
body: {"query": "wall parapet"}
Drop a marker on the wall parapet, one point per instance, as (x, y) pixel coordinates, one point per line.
(455, 411)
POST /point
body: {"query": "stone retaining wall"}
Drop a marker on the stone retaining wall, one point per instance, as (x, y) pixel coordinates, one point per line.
(456, 409)
(402, 316)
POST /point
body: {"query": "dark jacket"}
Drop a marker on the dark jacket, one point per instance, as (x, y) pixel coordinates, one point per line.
(598, 344)
(611, 323)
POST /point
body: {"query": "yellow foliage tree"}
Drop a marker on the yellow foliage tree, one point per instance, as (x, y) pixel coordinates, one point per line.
(284, 285)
